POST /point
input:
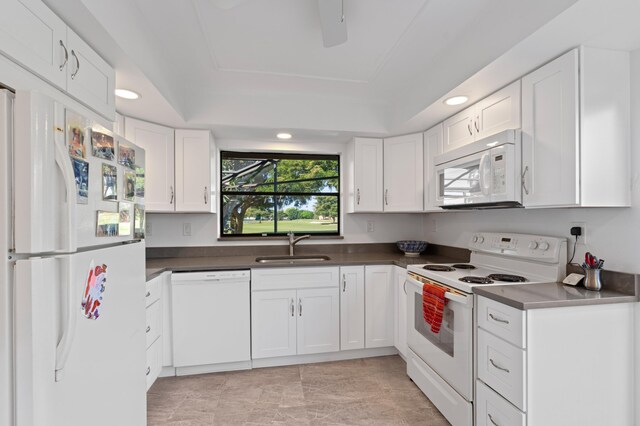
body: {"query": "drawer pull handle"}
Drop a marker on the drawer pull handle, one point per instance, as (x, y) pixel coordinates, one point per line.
(148, 370)
(148, 328)
(148, 294)
(495, 318)
(292, 307)
(506, 370)
(492, 421)
(299, 307)
(344, 283)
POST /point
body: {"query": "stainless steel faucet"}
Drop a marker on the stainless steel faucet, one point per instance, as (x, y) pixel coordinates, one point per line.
(293, 241)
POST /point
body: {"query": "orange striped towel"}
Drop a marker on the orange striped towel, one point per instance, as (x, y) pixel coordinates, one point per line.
(433, 303)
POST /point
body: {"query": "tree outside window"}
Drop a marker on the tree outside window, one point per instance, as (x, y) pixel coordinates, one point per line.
(272, 194)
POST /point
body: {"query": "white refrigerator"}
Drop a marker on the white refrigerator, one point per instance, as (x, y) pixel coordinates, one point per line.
(72, 300)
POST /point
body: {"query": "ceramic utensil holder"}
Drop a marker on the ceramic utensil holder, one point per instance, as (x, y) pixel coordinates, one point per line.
(592, 279)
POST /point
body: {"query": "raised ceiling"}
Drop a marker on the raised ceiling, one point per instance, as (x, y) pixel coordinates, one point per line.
(259, 65)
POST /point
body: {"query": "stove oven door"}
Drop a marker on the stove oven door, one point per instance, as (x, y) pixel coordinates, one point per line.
(448, 353)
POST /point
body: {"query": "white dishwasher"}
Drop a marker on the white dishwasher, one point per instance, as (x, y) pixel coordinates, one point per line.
(211, 317)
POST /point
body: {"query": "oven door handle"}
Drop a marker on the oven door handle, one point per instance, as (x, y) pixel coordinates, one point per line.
(454, 297)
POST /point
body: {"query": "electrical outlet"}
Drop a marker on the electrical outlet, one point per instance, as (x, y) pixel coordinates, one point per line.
(371, 226)
(582, 239)
(148, 229)
(186, 229)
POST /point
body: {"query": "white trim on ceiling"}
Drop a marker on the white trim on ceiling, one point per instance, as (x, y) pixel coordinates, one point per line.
(374, 75)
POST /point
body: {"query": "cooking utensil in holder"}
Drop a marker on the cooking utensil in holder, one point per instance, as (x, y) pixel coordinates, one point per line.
(592, 279)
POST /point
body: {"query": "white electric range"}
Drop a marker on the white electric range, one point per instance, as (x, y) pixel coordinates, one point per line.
(442, 364)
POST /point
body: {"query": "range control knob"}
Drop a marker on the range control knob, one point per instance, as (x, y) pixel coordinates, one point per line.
(475, 239)
(544, 246)
(480, 239)
(533, 245)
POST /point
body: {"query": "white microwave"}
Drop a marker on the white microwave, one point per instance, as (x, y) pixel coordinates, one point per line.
(481, 175)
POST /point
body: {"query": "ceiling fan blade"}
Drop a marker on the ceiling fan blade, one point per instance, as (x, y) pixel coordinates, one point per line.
(334, 26)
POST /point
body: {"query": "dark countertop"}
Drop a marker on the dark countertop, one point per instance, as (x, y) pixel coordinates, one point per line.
(212, 263)
(552, 295)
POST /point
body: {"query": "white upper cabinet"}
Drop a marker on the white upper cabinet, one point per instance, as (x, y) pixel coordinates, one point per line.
(573, 154)
(495, 113)
(158, 143)
(433, 139)
(33, 36)
(403, 173)
(458, 130)
(365, 171)
(194, 171)
(89, 78)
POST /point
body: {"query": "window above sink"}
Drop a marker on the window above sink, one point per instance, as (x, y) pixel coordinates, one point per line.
(271, 194)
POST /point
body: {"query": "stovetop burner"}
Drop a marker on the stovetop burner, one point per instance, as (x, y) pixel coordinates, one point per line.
(476, 280)
(438, 268)
(507, 278)
(463, 266)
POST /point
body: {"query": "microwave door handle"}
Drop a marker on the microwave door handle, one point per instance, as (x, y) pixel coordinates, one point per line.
(485, 166)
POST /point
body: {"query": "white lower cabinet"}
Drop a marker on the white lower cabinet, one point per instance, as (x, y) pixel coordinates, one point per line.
(154, 362)
(492, 409)
(379, 298)
(553, 360)
(273, 323)
(351, 307)
(295, 311)
(318, 320)
(400, 336)
(153, 331)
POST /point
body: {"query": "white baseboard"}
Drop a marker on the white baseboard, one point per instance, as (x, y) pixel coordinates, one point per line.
(167, 372)
(213, 368)
(279, 361)
(326, 357)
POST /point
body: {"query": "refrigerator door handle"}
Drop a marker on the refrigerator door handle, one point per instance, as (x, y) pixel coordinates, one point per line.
(69, 330)
(62, 160)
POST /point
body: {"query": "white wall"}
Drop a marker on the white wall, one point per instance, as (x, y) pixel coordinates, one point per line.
(612, 234)
(166, 229)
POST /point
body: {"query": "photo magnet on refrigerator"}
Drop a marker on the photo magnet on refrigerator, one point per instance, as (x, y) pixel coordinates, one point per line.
(92, 297)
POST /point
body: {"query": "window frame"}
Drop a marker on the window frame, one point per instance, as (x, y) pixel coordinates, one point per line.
(224, 154)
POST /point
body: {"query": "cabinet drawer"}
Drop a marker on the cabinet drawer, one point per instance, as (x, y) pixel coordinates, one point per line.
(502, 367)
(154, 323)
(492, 409)
(154, 362)
(153, 290)
(502, 320)
(294, 278)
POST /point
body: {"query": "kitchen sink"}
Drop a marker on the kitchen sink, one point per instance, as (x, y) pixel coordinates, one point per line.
(291, 259)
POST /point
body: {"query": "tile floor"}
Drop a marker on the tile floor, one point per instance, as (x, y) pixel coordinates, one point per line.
(372, 391)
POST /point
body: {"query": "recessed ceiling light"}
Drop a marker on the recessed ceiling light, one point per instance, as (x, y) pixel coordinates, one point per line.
(284, 135)
(456, 100)
(127, 94)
